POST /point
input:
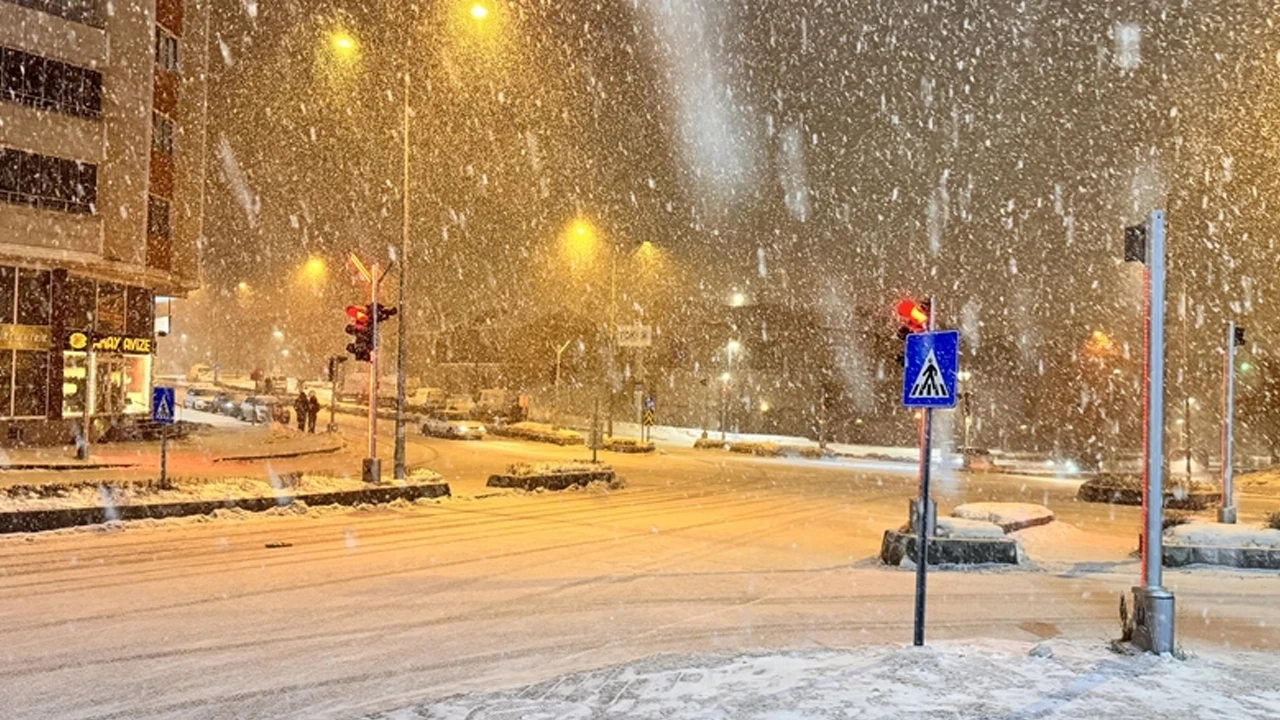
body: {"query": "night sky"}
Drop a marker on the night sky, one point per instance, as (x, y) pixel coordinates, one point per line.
(836, 154)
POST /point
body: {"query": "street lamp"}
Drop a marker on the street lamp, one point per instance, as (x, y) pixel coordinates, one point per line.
(479, 11)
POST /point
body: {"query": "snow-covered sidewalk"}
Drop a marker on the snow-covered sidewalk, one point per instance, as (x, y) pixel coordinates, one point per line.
(987, 679)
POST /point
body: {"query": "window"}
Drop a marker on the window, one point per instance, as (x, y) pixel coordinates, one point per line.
(140, 319)
(157, 217)
(80, 299)
(34, 306)
(81, 11)
(111, 308)
(166, 51)
(49, 84)
(30, 383)
(161, 133)
(8, 276)
(47, 182)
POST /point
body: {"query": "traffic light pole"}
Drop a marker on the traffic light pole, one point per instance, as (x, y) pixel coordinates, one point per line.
(1153, 628)
(402, 346)
(372, 470)
(1227, 513)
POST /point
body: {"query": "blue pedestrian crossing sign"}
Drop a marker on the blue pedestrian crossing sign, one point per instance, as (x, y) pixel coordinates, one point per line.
(929, 373)
(162, 405)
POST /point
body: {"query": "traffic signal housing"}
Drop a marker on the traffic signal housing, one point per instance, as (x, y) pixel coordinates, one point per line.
(913, 317)
(361, 327)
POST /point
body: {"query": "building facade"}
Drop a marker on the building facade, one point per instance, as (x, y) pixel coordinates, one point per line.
(102, 126)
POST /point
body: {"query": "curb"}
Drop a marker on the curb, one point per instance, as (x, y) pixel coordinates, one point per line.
(276, 456)
(42, 520)
(1236, 557)
(60, 467)
(898, 546)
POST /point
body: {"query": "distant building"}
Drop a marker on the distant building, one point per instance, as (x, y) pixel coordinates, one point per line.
(101, 165)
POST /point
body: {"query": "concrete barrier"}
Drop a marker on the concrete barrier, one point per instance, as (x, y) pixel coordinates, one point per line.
(41, 520)
(898, 546)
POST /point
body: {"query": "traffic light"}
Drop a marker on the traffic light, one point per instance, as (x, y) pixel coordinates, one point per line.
(384, 313)
(361, 348)
(913, 317)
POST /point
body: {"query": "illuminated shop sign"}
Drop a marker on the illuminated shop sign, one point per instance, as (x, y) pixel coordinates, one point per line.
(125, 344)
(24, 337)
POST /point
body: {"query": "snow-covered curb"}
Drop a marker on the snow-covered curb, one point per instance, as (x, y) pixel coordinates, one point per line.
(1011, 517)
(1219, 535)
(954, 679)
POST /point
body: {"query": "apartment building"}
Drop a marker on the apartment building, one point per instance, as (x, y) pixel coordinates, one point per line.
(101, 178)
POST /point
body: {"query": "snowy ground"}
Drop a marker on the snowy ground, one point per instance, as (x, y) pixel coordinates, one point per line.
(984, 679)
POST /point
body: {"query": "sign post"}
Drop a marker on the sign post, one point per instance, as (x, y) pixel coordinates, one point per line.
(162, 414)
(929, 375)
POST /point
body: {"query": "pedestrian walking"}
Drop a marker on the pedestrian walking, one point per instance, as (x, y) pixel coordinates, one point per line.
(313, 412)
(302, 409)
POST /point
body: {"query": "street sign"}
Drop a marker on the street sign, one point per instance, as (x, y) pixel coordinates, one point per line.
(162, 405)
(650, 403)
(635, 336)
(648, 418)
(931, 364)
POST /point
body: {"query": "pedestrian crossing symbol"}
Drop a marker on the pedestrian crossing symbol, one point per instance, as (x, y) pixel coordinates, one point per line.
(929, 377)
(162, 405)
(928, 384)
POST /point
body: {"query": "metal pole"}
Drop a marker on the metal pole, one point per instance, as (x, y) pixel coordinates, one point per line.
(333, 394)
(164, 457)
(1186, 377)
(1155, 403)
(923, 516)
(372, 468)
(1227, 513)
(1153, 619)
(613, 331)
(402, 346)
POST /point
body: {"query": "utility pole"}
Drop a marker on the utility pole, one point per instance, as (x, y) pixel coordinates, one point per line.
(559, 352)
(402, 346)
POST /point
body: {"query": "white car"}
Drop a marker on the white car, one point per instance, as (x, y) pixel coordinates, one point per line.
(453, 429)
(198, 398)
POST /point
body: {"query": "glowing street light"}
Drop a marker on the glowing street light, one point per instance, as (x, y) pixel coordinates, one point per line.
(479, 11)
(737, 299)
(343, 43)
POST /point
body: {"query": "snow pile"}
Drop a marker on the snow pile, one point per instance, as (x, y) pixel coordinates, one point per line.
(1218, 535)
(573, 467)
(283, 487)
(987, 679)
(1009, 516)
(539, 432)
(968, 529)
(1262, 481)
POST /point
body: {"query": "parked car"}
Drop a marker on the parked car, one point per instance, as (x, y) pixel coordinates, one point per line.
(225, 403)
(199, 398)
(456, 429)
(263, 409)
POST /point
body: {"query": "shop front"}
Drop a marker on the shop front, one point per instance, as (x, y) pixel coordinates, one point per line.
(72, 348)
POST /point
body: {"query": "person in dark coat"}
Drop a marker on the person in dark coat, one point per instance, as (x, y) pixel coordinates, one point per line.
(313, 412)
(302, 409)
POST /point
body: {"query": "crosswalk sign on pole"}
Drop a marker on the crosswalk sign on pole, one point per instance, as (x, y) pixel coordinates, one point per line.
(162, 405)
(930, 369)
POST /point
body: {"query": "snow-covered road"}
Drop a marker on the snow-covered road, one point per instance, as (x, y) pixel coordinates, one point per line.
(339, 614)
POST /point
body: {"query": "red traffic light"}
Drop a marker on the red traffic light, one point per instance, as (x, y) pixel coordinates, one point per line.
(358, 314)
(914, 314)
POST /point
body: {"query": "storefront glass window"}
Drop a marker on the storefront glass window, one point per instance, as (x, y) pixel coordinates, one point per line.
(34, 307)
(31, 383)
(81, 303)
(122, 384)
(6, 383)
(7, 277)
(75, 383)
